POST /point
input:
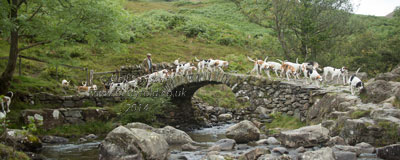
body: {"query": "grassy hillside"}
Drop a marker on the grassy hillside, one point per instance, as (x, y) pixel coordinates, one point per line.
(168, 30)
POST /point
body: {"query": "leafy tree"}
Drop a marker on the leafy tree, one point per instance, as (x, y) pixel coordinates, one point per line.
(316, 21)
(313, 22)
(266, 12)
(29, 23)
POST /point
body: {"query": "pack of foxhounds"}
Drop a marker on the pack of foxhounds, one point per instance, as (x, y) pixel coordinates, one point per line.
(289, 70)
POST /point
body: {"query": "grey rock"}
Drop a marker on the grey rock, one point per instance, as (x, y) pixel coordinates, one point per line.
(243, 132)
(82, 140)
(281, 150)
(254, 154)
(262, 142)
(177, 157)
(344, 155)
(226, 144)
(173, 135)
(336, 141)
(347, 148)
(322, 154)
(134, 144)
(22, 140)
(301, 150)
(139, 125)
(91, 136)
(225, 117)
(390, 152)
(189, 147)
(308, 136)
(215, 157)
(273, 141)
(365, 148)
(54, 139)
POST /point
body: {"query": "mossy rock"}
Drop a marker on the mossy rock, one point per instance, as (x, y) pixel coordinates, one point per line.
(23, 140)
(7, 152)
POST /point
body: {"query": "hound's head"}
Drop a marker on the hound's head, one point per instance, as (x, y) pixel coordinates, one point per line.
(94, 87)
(226, 64)
(344, 70)
(319, 78)
(360, 85)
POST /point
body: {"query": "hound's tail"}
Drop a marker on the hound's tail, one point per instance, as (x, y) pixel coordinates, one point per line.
(280, 61)
(176, 62)
(11, 94)
(265, 60)
(197, 60)
(357, 70)
(297, 60)
(250, 59)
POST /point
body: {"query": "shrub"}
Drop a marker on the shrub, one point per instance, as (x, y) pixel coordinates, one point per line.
(142, 108)
(284, 121)
(360, 113)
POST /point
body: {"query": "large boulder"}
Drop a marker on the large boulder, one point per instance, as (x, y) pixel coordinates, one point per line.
(330, 103)
(22, 140)
(308, 136)
(380, 90)
(225, 117)
(173, 135)
(391, 152)
(133, 144)
(377, 131)
(394, 75)
(321, 154)
(243, 132)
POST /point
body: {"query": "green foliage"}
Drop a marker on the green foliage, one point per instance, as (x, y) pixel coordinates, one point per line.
(390, 133)
(219, 96)
(7, 152)
(396, 103)
(284, 121)
(360, 113)
(144, 106)
(74, 130)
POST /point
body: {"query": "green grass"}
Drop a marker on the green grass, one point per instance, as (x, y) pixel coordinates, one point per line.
(7, 152)
(360, 113)
(284, 121)
(396, 103)
(219, 96)
(76, 130)
(390, 134)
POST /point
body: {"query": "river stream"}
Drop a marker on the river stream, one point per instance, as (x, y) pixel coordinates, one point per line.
(205, 137)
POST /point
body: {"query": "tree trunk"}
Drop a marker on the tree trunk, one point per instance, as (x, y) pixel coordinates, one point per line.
(281, 39)
(7, 75)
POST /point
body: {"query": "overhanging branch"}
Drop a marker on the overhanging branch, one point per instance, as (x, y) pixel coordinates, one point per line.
(33, 45)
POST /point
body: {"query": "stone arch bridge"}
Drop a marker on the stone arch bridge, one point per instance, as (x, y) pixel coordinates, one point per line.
(286, 97)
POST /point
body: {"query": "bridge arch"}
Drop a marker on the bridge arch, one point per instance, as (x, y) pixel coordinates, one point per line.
(286, 97)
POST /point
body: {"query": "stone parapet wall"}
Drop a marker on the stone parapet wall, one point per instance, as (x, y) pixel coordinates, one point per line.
(56, 117)
(76, 101)
(138, 70)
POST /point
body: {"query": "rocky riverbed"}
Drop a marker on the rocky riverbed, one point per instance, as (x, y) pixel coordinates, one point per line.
(340, 126)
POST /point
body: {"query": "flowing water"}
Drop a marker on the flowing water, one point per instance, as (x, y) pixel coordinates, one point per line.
(205, 137)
